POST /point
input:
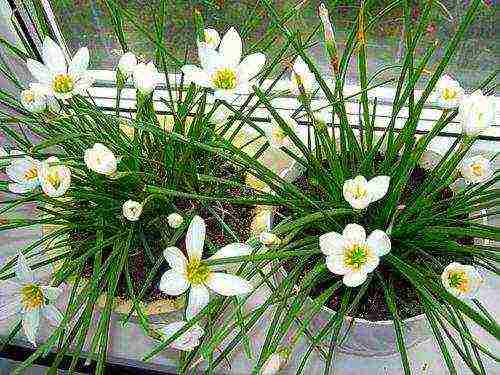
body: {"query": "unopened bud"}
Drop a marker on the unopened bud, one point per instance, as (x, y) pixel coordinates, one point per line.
(269, 239)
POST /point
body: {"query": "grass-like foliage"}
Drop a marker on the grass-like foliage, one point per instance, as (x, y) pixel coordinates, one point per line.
(362, 210)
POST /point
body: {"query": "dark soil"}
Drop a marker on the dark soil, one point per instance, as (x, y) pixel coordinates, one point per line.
(372, 305)
(237, 217)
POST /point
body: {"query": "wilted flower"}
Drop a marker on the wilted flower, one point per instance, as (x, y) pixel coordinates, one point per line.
(55, 178)
(55, 77)
(269, 239)
(222, 69)
(301, 75)
(193, 274)
(146, 77)
(132, 210)
(476, 169)
(29, 298)
(477, 113)
(276, 362)
(175, 220)
(448, 92)
(360, 193)
(23, 172)
(127, 64)
(462, 281)
(353, 255)
(188, 340)
(276, 135)
(100, 159)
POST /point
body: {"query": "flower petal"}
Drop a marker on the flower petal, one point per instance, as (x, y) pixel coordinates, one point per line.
(39, 71)
(228, 285)
(354, 279)
(195, 238)
(354, 233)
(336, 265)
(228, 251)
(197, 300)
(378, 187)
(331, 243)
(188, 340)
(53, 315)
(79, 63)
(31, 321)
(53, 56)
(210, 59)
(379, 242)
(370, 265)
(9, 287)
(173, 283)
(11, 308)
(51, 293)
(175, 258)
(251, 66)
(196, 75)
(23, 270)
(230, 48)
(20, 188)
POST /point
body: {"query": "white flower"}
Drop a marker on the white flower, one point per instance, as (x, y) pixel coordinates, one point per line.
(477, 113)
(462, 281)
(222, 69)
(34, 99)
(276, 135)
(146, 77)
(55, 77)
(55, 178)
(360, 193)
(353, 255)
(23, 172)
(301, 75)
(29, 298)
(175, 220)
(476, 169)
(276, 362)
(193, 274)
(269, 239)
(100, 159)
(132, 210)
(127, 64)
(211, 38)
(186, 341)
(448, 92)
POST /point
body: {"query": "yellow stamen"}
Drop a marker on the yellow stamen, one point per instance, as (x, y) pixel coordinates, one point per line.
(54, 179)
(32, 296)
(477, 170)
(356, 256)
(31, 174)
(63, 83)
(28, 96)
(224, 79)
(459, 280)
(359, 191)
(449, 93)
(197, 272)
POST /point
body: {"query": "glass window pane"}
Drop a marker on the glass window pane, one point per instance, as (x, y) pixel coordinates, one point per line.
(87, 22)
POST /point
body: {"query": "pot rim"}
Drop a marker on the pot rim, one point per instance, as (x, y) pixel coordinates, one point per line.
(123, 305)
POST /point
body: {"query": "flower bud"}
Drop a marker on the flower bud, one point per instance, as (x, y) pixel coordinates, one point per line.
(269, 239)
(100, 159)
(175, 220)
(132, 210)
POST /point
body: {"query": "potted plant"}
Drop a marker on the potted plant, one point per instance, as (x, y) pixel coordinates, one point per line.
(371, 252)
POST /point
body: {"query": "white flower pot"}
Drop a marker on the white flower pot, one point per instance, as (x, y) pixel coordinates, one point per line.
(365, 338)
